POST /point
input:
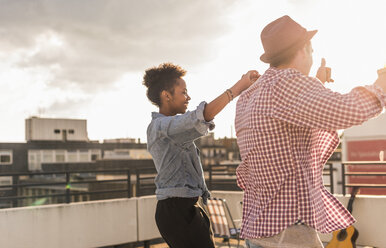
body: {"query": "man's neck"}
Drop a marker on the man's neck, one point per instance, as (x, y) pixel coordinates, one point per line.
(293, 65)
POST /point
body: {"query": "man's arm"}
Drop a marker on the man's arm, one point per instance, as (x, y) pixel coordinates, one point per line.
(303, 101)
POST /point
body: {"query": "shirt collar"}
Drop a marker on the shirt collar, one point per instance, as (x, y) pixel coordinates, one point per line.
(155, 115)
(291, 70)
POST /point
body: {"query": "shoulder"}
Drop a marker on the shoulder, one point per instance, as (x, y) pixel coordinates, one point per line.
(293, 80)
(156, 122)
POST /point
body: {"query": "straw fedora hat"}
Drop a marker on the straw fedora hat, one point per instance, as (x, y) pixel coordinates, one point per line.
(283, 37)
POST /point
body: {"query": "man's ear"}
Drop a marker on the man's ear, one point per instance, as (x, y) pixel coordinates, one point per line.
(308, 48)
(303, 51)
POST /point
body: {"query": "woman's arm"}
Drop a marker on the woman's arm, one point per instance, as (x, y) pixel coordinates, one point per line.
(193, 124)
(215, 106)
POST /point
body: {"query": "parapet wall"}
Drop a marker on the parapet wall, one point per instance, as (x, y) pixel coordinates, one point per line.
(369, 212)
(119, 221)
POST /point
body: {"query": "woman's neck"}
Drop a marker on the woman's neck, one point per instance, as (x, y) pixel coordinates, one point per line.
(165, 110)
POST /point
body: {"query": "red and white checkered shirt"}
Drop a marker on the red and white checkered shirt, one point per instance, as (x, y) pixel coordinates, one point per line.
(286, 126)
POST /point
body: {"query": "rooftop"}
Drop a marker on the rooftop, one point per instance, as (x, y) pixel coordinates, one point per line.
(131, 220)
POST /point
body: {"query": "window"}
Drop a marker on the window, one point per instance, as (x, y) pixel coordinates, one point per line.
(59, 156)
(123, 152)
(72, 156)
(6, 181)
(48, 156)
(84, 156)
(34, 159)
(71, 131)
(95, 155)
(5, 157)
(31, 157)
(57, 131)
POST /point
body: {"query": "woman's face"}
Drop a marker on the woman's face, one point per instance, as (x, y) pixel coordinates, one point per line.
(179, 100)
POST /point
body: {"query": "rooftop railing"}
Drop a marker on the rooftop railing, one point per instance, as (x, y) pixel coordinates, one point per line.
(223, 177)
(70, 185)
(366, 172)
(67, 184)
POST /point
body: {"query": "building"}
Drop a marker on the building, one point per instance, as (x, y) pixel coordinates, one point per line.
(47, 150)
(215, 151)
(50, 141)
(366, 142)
(58, 144)
(47, 129)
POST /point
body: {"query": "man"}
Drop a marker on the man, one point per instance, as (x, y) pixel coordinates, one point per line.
(286, 126)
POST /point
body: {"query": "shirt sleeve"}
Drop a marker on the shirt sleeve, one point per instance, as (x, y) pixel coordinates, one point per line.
(304, 101)
(186, 127)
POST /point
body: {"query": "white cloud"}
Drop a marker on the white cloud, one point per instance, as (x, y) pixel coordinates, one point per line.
(85, 59)
(93, 43)
(58, 57)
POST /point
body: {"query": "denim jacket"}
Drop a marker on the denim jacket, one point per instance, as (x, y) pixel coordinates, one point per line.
(176, 157)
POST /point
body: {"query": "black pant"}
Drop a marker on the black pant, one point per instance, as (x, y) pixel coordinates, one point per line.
(183, 224)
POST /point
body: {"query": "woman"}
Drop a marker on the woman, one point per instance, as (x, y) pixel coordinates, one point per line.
(170, 135)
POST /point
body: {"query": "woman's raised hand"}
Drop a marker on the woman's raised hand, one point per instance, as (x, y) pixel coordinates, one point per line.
(246, 80)
(215, 106)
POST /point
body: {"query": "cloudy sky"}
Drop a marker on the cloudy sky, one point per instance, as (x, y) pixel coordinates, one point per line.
(86, 59)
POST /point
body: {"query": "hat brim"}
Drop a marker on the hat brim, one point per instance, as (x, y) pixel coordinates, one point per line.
(268, 58)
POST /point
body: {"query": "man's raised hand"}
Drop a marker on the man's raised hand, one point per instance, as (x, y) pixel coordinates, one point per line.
(381, 80)
(324, 73)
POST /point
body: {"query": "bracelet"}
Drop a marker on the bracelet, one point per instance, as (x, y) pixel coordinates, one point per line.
(229, 97)
(230, 94)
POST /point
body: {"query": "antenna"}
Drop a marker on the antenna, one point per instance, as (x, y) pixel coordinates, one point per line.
(41, 111)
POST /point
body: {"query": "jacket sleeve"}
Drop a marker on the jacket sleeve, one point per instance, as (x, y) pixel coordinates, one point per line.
(304, 101)
(186, 127)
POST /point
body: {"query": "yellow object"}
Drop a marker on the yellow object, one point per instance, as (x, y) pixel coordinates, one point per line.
(344, 238)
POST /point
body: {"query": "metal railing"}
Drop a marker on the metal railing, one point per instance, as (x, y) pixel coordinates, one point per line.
(329, 171)
(139, 182)
(367, 173)
(130, 182)
(223, 177)
(145, 181)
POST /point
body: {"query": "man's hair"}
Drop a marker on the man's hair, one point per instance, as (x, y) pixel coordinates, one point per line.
(287, 56)
(283, 60)
(160, 78)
